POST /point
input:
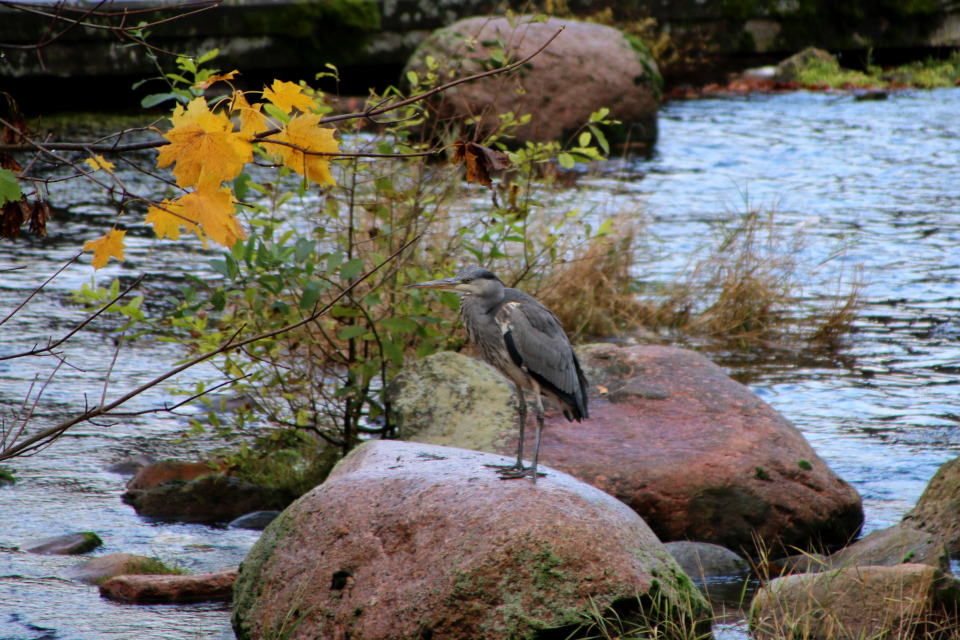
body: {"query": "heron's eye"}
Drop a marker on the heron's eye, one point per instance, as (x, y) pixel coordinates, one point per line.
(467, 280)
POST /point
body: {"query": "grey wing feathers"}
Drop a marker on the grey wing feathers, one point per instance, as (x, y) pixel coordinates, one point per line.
(545, 351)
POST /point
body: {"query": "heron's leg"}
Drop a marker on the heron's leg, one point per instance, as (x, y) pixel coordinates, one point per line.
(531, 471)
(536, 444)
(523, 421)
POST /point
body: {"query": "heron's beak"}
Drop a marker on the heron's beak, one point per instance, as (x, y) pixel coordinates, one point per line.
(448, 283)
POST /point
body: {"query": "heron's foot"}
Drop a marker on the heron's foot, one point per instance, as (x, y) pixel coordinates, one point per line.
(522, 472)
(503, 468)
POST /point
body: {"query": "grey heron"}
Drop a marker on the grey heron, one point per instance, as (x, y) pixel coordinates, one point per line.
(523, 340)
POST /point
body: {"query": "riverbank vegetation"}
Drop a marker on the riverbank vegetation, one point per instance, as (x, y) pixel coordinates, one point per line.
(928, 74)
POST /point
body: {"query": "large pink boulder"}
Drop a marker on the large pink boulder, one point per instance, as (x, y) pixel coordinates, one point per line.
(699, 456)
(586, 68)
(410, 541)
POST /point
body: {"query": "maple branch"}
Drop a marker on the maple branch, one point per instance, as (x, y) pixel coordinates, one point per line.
(141, 146)
(43, 438)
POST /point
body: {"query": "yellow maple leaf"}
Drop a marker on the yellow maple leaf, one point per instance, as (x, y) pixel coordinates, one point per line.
(201, 140)
(168, 218)
(216, 78)
(305, 132)
(252, 121)
(286, 96)
(213, 207)
(105, 246)
(97, 162)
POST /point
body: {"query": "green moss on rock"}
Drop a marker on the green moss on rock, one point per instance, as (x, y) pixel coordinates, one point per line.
(90, 542)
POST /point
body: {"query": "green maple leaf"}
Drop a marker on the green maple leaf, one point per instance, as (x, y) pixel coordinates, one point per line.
(9, 187)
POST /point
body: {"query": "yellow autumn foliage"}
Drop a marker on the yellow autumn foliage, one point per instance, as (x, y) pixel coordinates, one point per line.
(305, 132)
(105, 246)
(287, 95)
(213, 207)
(203, 141)
(208, 152)
(168, 218)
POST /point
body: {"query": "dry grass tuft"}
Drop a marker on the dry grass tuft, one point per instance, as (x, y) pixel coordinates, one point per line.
(748, 288)
(595, 293)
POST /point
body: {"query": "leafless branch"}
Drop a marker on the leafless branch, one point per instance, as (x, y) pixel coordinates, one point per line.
(49, 348)
(40, 288)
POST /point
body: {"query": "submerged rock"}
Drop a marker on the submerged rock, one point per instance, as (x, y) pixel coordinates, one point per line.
(131, 465)
(114, 564)
(157, 473)
(697, 455)
(67, 544)
(410, 541)
(938, 509)
(701, 560)
(587, 67)
(172, 588)
(256, 521)
(857, 602)
(210, 499)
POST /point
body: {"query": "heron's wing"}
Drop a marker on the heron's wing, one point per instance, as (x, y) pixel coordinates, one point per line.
(539, 342)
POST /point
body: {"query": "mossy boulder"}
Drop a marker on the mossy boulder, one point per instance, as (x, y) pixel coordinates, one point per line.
(431, 399)
(586, 68)
(97, 570)
(411, 541)
(858, 602)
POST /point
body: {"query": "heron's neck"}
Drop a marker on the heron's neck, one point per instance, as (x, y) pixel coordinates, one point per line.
(484, 304)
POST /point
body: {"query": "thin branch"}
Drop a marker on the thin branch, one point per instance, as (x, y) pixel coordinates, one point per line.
(166, 409)
(38, 289)
(80, 326)
(113, 362)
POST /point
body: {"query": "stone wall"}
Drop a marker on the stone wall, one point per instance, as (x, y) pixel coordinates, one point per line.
(265, 34)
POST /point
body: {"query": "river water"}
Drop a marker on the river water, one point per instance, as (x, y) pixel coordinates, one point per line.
(881, 177)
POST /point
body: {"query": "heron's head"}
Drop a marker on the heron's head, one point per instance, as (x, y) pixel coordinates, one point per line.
(472, 280)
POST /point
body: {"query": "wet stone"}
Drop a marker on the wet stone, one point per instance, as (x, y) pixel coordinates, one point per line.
(130, 465)
(170, 588)
(256, 521)
(701, 560)
(67, 544)
(97, 569)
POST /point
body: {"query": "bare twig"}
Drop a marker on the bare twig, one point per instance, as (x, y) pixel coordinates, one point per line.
(38, 289)
(86, 321)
